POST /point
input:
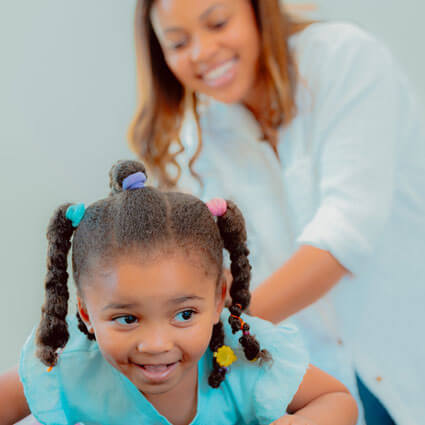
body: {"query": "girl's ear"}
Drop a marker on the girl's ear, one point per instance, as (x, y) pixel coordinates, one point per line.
(220, 298)
(82, 311)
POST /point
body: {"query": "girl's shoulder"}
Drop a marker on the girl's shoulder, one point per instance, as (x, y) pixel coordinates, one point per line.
(48, 391)
(265, 388)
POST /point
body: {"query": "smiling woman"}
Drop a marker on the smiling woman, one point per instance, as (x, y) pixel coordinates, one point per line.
(190, 48)
(216, 48)
(315, 131)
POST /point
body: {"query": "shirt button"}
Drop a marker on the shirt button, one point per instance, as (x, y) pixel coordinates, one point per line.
(340, 342)
(379, 378)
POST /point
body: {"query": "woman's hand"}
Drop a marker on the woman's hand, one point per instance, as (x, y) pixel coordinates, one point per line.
(293, 420)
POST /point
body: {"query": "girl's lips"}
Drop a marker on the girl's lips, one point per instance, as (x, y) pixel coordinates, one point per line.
(157, 373)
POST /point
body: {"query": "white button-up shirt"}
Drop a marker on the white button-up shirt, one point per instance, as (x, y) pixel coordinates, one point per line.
(350, 180)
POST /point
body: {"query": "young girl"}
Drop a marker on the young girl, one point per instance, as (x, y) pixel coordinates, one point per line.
(314, 131)
(150, 343)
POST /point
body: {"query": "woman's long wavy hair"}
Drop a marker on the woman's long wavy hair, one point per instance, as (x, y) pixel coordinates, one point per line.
(163, 99)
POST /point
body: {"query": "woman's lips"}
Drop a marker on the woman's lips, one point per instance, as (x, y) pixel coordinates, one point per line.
(222, 74)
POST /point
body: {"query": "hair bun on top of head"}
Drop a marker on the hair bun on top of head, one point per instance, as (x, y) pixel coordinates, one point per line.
(126, 175)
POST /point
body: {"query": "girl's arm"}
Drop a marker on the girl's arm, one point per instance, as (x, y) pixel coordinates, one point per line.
(320, 400)
(13, 404)
(302, 280)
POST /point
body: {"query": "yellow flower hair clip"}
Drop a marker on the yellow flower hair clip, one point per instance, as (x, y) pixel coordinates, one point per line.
(225, 356)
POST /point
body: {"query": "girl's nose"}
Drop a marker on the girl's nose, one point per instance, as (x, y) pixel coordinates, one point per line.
(203, 48)
(155, 342)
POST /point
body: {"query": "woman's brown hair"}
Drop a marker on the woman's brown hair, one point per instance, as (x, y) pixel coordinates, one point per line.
(163, 100)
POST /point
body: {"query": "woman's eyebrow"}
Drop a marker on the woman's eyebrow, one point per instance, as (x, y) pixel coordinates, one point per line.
(173, 29)
(203, 16)
(205, 13)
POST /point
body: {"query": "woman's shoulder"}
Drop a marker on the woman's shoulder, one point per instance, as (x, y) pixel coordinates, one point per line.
(331, 35)
(331, 44)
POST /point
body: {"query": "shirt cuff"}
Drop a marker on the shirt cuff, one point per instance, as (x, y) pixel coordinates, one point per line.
(331, 231)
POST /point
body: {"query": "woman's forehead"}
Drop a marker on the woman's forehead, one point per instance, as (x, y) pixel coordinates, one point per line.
(170, 11)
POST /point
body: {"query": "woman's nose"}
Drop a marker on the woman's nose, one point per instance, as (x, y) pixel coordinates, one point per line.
(203, 48)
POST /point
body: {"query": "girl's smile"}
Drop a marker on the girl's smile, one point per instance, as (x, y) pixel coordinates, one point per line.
(153, 319)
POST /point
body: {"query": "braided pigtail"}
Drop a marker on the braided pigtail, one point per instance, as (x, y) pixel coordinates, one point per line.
(217, 340)
(52, 332)
(233, 232)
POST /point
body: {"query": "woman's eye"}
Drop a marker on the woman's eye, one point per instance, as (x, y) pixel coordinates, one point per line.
(179, 45)
(185, 315)
(126, 320)
(218, 25)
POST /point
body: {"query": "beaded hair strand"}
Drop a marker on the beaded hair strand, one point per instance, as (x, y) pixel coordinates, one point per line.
(233, 232)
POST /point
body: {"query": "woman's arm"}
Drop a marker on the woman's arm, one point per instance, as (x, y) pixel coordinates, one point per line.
(320, 400)
(13, 404)
(303, 279)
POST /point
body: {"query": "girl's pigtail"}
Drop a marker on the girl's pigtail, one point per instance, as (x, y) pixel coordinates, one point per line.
(52, 332)
(233, 232)
(217, 340)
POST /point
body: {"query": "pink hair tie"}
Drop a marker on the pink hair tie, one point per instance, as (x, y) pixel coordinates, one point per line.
(217, 207)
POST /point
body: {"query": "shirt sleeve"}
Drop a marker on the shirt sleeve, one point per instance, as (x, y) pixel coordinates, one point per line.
(42, 388)
(356, 127)
(263, 390)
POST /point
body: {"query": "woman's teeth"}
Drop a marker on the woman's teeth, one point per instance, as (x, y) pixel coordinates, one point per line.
(220, 71)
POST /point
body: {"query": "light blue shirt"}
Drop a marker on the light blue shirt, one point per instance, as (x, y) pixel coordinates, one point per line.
(84, 387)
(350, 179)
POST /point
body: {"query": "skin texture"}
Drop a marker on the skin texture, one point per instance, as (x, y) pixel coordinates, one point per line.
(308, 275)
(199, 36)
(13, 405)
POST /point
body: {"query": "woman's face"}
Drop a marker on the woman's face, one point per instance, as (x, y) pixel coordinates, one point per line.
(211, 46)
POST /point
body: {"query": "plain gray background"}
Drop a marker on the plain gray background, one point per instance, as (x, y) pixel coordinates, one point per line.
(67, 95)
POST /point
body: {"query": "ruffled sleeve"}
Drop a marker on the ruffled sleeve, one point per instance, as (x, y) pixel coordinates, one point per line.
(42, 388)
(264, 391)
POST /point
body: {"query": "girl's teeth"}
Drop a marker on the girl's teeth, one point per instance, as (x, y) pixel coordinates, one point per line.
(219, 71)
(156, 369)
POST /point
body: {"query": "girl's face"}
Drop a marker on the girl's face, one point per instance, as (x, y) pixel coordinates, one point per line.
(153, 320)
(211, 46)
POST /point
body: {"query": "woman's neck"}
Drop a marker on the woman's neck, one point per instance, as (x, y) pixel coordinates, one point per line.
(179, 405)
(258, 103)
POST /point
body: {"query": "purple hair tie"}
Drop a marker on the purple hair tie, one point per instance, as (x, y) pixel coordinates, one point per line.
(134, 181)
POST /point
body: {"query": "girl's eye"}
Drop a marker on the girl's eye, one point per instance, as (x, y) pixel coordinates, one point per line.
(126, 320)
(185, 315)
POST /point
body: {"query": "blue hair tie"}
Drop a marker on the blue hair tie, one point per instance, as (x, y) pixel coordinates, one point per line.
(134, 181)
(75, 213)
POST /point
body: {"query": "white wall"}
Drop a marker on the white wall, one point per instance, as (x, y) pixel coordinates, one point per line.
(67, 94)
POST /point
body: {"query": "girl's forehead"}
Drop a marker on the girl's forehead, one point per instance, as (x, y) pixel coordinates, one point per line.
(162, 278)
